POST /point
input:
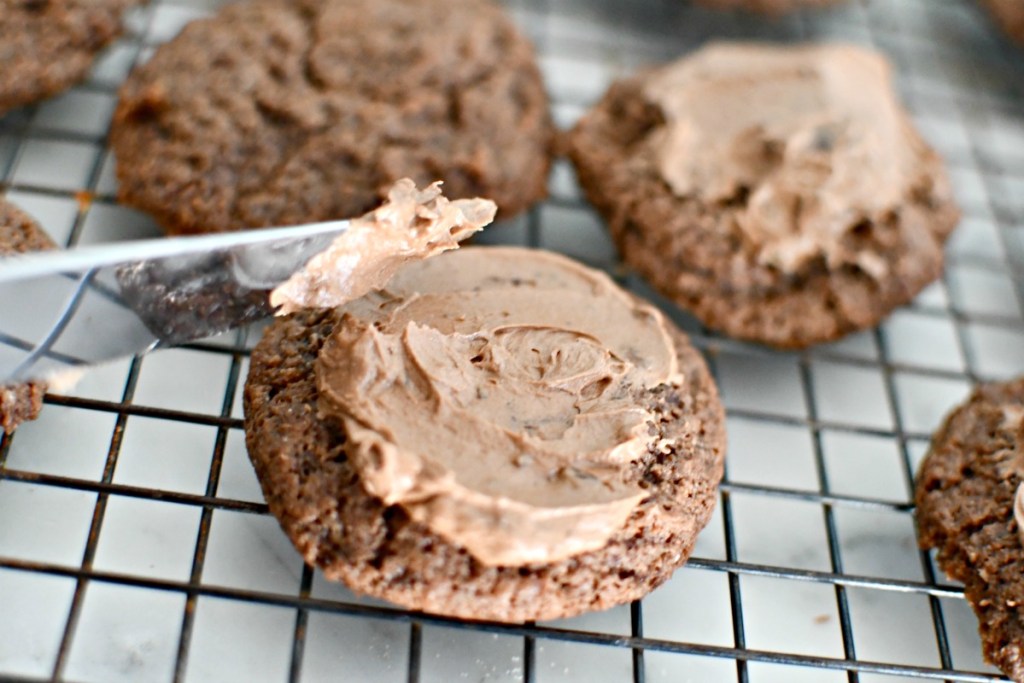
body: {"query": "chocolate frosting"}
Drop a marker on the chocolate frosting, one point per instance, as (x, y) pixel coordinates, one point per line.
(412, 225)
(498, 395)
(811, 140)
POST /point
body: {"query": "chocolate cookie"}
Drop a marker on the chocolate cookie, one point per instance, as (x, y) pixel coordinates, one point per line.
(772, 7)
(47, 46)
(317, 470)
(278, 112)
(781, 194)
(970, 508)
(18, 234)
(1009, 14)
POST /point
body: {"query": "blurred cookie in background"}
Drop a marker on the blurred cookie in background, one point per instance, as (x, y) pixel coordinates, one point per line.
(280, 112)
(46, 46)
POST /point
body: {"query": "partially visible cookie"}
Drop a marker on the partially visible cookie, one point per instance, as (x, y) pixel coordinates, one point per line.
(355, 505)
(970, 508)
(772, 7)
(1009, 14)
(18, 234)
(47, 46)
(278, 112)
(781, 194)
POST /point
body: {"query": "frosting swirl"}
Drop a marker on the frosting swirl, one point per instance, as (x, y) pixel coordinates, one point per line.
(809, 141)
(499, 395)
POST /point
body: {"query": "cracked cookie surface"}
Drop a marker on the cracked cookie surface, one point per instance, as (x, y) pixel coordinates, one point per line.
(965, 494)
(47, 46)
(279, 112)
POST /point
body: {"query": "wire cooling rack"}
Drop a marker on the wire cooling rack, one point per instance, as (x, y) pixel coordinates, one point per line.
(135, 545)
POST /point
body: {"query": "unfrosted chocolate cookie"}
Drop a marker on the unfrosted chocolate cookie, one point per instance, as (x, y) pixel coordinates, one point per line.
(781, 194)
(311, 464)
(278, 112)
(18, 234)
(970, 508)
(1009, 14)
(772, 7)
(47, 46)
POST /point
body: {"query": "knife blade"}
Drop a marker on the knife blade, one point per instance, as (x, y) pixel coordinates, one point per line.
(63, 310)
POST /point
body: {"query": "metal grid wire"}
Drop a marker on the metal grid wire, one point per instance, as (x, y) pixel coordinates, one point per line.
(134, 544)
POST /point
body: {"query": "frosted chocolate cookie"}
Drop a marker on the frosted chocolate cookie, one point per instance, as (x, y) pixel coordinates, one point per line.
(1009, 14)
(781, 194)
(19, 234)
(766, 6)
(970, 508)
(47, 46)
(278, 112)
(498, 434)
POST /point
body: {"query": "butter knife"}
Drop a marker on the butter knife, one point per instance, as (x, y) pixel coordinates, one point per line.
(62, 310)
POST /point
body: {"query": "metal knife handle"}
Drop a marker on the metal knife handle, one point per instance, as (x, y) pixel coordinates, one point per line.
(69, 309)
